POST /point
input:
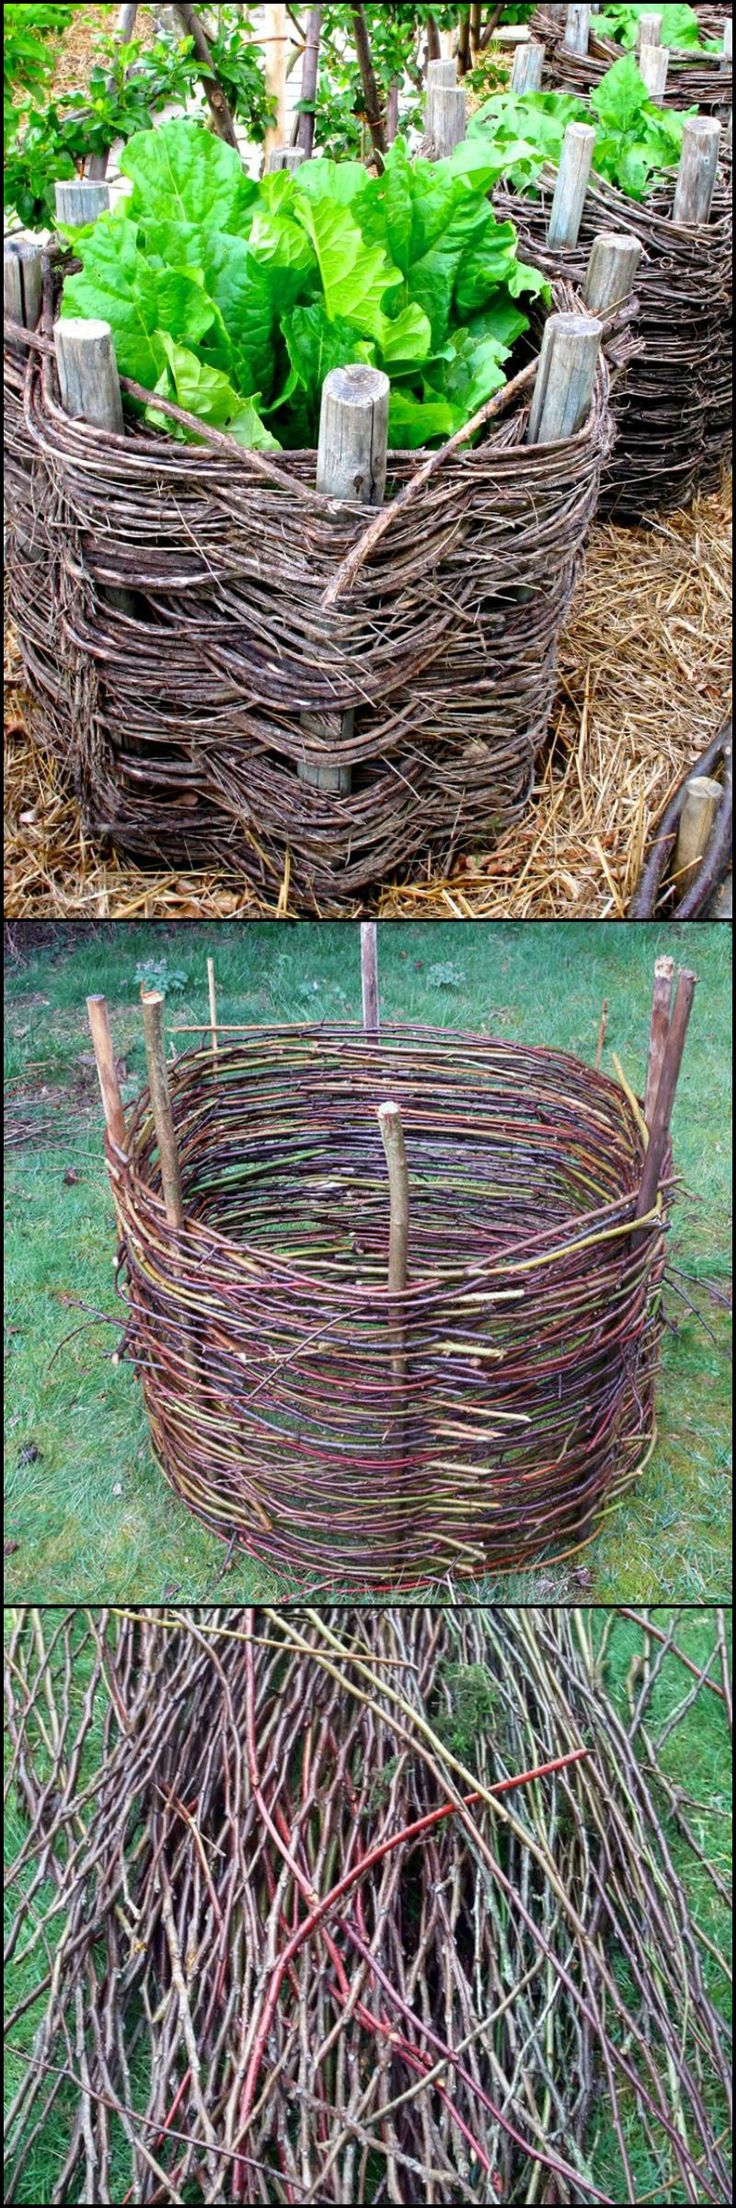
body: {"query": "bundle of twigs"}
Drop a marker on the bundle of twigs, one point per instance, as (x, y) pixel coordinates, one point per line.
(693, 80)
(358, 1906)
(673, 409)
(184, 727)
(302, 1410)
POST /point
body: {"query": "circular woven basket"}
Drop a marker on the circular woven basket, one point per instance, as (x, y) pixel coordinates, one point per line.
(183, 725)
(480, 1419)
(693, 80)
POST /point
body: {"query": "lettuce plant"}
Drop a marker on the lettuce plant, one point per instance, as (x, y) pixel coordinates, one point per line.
(234, 299)
(680, 28)
(637, 142)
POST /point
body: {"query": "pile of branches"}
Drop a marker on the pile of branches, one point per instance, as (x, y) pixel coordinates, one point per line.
(673, 408)
(293, 1407)
(370, 1905)
(272, 624)
(693, 80)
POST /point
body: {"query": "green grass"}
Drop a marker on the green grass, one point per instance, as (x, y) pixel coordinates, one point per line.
(77, 1539)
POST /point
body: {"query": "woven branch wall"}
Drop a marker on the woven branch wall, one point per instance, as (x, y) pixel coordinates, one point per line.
(673, 409)
(482, 1418)
(182, 729)
(693, 80)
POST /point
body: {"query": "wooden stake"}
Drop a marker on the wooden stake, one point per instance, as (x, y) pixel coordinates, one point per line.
(446, 117)
(285, 157)
(653, 67)
(563, 390)
(698, 170)
(702, 798)
(22, 280)
(601, 1035)
(665, 1097)
(527, 66)
(79, 200)
(572, 185)
(664, 969)
(351, 464)
(392, 1137)
(102, 1045)
(213, 1003)
(611, 270)
(727, 54)
(369, 976)
(88, 375)
(158, 1082)
(577, 30)
(648, 31)
(310, 71)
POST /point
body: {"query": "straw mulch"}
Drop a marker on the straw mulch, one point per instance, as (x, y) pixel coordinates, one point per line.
(644, 683)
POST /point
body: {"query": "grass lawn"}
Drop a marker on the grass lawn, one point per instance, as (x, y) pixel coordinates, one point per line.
(88, 1514)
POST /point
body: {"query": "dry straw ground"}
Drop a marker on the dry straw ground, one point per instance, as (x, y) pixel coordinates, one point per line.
(644, 683)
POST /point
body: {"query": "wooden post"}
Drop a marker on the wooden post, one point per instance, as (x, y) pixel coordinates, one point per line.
(611, 270)
(648, 31)
(369, 976)
(158, 1082)
(446, 113)
(351, 464)
(727, 54)
(664, 969)
(213, 1003)
(653, 67)
(102, 1045)
(665, 1097)
(22, 280)
(702, 798)
(696, 176)
(88, 375)
(79, 200)
(572, 184)
(577, 30)
(563, 390)
(285, 157)
(527, 66)
(392, 1137)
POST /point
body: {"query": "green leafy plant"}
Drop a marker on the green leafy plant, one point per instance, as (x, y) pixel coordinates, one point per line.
(680, 28)
(235, 299)
(637, 142)
(29, 35)
(156, 973)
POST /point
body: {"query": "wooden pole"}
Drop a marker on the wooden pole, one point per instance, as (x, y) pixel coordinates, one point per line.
(527, 66)
(392, 1137)
(446, 116)
(369, 976)
(351, 464)
(648, 31)
(563, 391)
(102, 1045)
(702, 798)
(22, 280)
(284, 157)
(80, 200)
(158, 1082)
(611, 270)
(665, 1097)
(664, 969)
(213, 1003)
(572, 184)
(653, 67)
(577, 30)
(696, 176)
(88, 375)
(727, 54)
(310, 71)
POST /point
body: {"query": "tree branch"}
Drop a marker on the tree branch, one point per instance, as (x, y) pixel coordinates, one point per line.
(371, 95)
(217, 103)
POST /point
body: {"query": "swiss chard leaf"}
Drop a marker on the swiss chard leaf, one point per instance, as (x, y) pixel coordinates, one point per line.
(208, 394)
(184, 174)
(118, 284)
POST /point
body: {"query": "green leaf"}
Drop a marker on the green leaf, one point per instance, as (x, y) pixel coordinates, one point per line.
(117, 284)
(208, 394)
(315, 344)
(473, 372)
(415, 422)
(405, 339)
(183, 173)
(355, 276)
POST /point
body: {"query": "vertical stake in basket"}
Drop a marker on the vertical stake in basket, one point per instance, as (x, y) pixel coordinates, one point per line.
(648, 31)
(611, 270)
(446, 112)
(702, 799)
(351, 464)
(698, 170)
(213, 1005)
(527, 66)
(572, 184)
(577, 30)
(90, 391)
(563, 391)
(80, 200)
(727, 54)
(369, 976)
(22, 280)
(661, 1113)
(653, 67)
(158, 1082)
(659, 1030)
(285, 157)
(102, 1044)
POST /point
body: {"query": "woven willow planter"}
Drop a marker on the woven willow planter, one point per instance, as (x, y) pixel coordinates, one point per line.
(482, 1418)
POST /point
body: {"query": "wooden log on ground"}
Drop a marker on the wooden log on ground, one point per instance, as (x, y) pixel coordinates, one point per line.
(698, 170)
(351, 464)
(703, 796)
(369, 976)
(664, 969)
(611, 270)
(563, 391)
(664, 1100)
(571, 187)
(527, 66)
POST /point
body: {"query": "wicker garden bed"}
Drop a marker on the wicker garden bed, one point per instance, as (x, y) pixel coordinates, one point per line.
(693, 80)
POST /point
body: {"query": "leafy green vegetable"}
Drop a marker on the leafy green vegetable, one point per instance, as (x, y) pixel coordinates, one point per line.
(637, 142)
(680, 28)
(235, 299)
